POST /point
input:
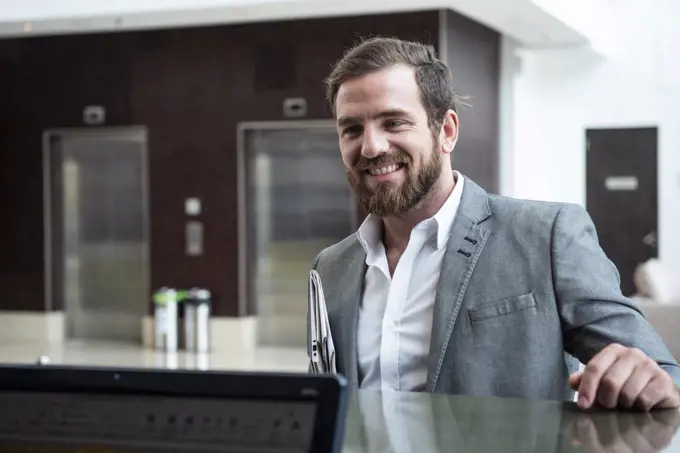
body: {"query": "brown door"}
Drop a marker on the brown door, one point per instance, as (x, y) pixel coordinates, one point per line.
(621, 196)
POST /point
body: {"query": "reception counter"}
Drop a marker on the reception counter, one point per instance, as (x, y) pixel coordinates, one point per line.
(391, 422)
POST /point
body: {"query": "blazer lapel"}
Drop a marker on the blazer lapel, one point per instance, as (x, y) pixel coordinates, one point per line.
(466, 241)
(351, 289)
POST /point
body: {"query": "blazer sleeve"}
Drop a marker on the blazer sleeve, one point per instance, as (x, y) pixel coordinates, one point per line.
(593, 311)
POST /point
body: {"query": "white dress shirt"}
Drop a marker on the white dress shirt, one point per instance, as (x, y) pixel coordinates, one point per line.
(395, 319)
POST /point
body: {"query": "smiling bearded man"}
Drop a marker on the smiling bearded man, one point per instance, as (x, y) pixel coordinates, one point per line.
(447, 288)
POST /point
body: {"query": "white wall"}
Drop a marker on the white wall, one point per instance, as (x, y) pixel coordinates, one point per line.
(559, 93)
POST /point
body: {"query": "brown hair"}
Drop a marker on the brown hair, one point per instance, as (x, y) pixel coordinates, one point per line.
(432, 75)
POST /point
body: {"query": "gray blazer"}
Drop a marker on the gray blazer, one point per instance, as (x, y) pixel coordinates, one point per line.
(525, 290)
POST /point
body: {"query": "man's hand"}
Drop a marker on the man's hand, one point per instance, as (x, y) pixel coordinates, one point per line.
(624, 377)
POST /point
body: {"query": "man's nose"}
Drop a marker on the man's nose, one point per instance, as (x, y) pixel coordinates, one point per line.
(374, 143)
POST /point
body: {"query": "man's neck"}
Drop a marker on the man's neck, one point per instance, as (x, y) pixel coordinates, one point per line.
(397, 229)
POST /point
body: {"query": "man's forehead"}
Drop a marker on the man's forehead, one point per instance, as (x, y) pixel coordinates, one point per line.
(392, 90)
(398, 78)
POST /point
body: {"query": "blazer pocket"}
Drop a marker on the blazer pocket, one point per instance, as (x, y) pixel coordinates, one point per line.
(502, 307)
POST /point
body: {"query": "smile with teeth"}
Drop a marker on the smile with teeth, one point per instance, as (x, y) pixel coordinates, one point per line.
(384, 170)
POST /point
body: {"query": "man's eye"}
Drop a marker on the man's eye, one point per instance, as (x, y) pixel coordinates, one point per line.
(392, 124)
(351, 130)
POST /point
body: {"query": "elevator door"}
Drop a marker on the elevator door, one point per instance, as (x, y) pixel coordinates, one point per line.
(99, 243)
(297, 202)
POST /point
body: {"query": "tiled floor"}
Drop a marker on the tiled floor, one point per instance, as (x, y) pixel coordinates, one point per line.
(123, 355)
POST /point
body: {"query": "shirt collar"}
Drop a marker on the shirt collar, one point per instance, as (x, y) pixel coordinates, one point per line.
(370, 231)
(370, 237)
(447, 213)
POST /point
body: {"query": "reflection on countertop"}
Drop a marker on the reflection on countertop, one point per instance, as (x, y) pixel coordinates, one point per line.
(393, 422)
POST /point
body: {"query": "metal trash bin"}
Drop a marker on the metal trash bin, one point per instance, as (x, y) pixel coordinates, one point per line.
(197, 307)
(165, 319)
(189, 321)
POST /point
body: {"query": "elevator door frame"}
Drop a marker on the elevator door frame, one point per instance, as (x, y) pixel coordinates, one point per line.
(241, 130)
(130, 132)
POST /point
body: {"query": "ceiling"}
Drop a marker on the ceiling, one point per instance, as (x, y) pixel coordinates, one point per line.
(532, 23)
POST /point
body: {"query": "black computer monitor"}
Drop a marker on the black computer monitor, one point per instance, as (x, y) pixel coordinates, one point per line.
(68, 409)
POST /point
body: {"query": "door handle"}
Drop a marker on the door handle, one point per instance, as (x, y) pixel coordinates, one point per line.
(650, 239)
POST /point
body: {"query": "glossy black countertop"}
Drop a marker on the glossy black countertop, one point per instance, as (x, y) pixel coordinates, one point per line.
(393, 422)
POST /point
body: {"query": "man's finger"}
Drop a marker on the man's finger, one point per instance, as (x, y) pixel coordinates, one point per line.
(575, 380)
(670, 393)
(635, 385)
(654, 393)
(593, 372)
(619, 373)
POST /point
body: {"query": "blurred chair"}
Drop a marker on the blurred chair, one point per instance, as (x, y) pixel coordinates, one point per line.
(657, 301)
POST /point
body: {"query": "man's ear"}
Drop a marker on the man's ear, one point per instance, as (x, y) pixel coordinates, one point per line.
(448, 133)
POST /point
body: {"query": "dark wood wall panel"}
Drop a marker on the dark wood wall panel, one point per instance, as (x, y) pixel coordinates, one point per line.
(21, 249)
(190, 87)
(473, 53)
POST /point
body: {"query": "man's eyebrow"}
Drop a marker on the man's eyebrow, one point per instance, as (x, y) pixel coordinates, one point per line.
(344, 121)
(393, 113)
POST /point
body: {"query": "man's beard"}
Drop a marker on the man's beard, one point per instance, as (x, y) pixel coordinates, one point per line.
(387, 198)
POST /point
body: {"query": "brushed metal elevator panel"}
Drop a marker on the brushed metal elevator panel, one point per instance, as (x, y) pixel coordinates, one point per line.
(295, 201)
(98, 230)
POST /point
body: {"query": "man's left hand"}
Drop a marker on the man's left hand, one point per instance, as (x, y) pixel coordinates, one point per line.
(624, 377)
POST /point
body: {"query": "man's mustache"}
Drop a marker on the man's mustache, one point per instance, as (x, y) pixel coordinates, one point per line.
(381, 161)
